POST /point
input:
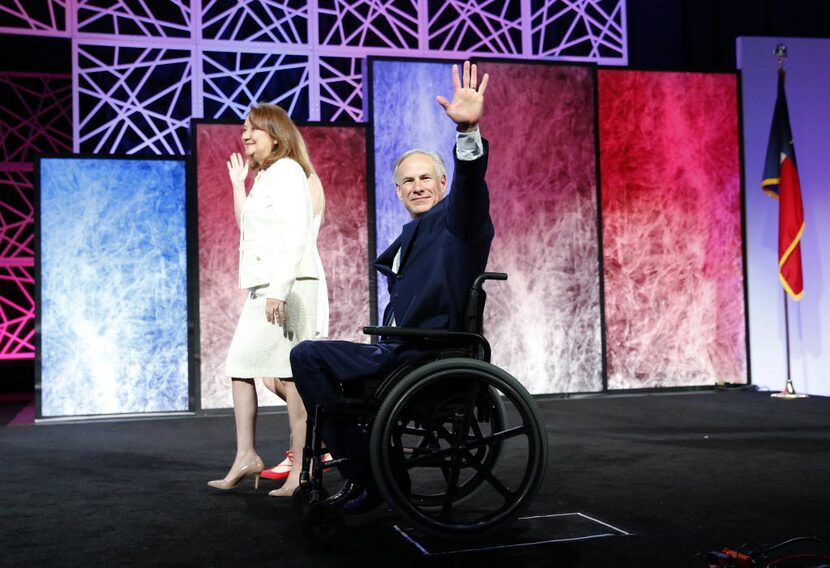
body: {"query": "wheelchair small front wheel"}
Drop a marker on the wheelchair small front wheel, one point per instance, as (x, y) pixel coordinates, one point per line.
(303, 497)
(300, 501)
(321, 523)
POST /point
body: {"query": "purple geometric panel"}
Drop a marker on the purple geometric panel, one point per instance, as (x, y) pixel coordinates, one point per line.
(133, 100)
(17, 304)
(47, 17)
(135, 17)
(341, 89)
(578, 30)
(280, 21)
(232, 82)
(472, 26)
(369, 23)
(35, 115)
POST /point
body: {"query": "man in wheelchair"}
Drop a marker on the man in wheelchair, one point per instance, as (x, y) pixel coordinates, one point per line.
(430, 269)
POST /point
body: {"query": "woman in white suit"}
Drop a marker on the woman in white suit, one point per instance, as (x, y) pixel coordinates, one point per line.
(280, 267)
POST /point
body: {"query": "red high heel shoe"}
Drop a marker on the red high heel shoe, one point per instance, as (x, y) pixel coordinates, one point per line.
(282, 469)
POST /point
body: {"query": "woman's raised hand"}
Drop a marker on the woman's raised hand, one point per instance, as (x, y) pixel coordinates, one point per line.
(238, 169)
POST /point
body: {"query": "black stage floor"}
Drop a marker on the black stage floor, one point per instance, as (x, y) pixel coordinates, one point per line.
(634, 480)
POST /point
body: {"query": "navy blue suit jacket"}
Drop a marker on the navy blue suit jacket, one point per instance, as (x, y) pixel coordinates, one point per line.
(442, 252)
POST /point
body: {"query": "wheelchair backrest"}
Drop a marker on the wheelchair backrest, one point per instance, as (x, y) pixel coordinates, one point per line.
(474, 311)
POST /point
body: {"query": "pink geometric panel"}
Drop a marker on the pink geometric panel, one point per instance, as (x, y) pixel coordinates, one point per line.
(544, 322)
(339, 155)
(17, 304)
(35, 115)
(671, 229)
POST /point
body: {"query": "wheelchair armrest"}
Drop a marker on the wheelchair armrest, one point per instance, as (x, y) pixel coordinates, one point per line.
(416, 333)
(406, 332)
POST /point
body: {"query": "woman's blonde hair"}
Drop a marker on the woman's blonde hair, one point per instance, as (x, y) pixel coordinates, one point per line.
(276, 123)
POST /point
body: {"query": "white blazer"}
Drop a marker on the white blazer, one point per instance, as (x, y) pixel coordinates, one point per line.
(277, 238)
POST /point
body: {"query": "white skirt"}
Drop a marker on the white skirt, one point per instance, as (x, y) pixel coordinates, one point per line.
(260, 349)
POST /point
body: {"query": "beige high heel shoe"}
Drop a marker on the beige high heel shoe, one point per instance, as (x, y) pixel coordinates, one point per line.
(253, 467)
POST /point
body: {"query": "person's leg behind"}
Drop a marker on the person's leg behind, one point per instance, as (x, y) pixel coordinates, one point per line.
(297, 425)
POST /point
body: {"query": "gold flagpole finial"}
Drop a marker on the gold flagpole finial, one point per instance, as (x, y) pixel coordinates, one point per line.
(780, 52)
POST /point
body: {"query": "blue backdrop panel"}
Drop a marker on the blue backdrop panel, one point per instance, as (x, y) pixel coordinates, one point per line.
(113, 319)
(406, 116)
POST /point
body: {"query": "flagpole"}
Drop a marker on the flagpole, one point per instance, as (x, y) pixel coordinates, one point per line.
(789, 390)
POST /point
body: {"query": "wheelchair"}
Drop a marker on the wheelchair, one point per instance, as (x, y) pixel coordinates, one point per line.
(457, 445)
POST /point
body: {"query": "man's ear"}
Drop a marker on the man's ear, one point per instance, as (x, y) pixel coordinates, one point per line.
(398, 192)
(443, 184)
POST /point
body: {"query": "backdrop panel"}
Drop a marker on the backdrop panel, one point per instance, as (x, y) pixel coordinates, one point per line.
(339, 155)
(113, 302)
(544, 322)
(671, 229)
(807, 84)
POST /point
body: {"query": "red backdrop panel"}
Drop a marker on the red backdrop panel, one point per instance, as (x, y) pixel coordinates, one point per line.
(544, 322)
(339, 155)
(669, 159)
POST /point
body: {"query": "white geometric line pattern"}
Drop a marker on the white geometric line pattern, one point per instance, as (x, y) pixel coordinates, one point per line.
(143, 68)
(135, 18)
(232, 82)
(142, 95)
(280, 21)
(369, 23)
(43, 17)
(341, 89)
(35, 115)
(17, 283)
(476, 27)
(587, 29)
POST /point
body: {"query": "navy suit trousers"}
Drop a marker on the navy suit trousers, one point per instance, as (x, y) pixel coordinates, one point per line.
(319, 367)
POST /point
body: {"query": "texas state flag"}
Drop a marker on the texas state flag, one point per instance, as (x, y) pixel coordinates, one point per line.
(781, 182)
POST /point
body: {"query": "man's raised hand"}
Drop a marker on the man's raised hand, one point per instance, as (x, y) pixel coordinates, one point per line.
(467, 98)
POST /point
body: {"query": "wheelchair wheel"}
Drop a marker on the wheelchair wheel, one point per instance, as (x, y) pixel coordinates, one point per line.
(413, 437)
(436, 446)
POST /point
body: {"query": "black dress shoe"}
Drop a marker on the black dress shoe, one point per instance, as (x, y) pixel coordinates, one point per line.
(349, 491)
(364, 500)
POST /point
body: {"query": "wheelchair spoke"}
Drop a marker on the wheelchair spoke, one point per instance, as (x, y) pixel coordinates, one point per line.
(441, 454)
(459, 435)
(452, 486)
(498, 437)
(492, 479)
